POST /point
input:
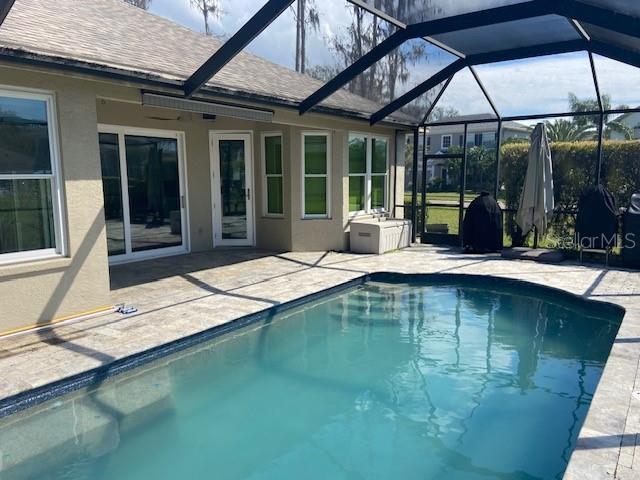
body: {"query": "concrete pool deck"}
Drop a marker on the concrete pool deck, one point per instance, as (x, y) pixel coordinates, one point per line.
(180, 296)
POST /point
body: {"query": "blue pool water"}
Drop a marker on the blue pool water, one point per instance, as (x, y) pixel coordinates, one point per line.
(383, 381)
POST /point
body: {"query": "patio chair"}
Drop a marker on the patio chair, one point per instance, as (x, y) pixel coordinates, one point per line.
(597, 222)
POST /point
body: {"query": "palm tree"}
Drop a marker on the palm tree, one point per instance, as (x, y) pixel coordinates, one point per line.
(590, 105)
(619, 127)
(562, 130)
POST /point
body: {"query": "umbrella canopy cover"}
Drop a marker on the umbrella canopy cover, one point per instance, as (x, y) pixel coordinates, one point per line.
(536, 200)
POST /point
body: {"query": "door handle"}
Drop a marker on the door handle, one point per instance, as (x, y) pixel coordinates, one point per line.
(248, 194)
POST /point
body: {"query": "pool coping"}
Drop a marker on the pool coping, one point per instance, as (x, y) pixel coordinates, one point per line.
(582, 465)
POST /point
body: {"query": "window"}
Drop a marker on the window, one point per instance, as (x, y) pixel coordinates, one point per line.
(316, 148)
(379, 173)
(357, 173)
(367, 173)
(30, 196)
(446, 142)
(272, 185)
(429, 144)
(477, 139)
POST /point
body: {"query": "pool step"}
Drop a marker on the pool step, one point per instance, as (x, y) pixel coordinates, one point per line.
(86, 424)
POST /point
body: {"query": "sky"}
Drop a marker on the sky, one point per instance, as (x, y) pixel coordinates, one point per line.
(530, 86)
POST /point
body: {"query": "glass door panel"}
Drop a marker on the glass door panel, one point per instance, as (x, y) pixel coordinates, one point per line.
(142, 193)
(233, 189)
(232, 182)
(154, 192)
(112, 190)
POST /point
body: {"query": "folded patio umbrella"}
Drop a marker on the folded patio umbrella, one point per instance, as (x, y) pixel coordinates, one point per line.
(536, 200)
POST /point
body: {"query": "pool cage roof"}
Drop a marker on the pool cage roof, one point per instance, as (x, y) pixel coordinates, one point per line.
(472, 33)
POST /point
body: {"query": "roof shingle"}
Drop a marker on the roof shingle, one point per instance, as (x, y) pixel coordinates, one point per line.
(114, 34)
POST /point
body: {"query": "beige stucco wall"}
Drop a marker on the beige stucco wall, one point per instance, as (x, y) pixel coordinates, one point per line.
(39, 291)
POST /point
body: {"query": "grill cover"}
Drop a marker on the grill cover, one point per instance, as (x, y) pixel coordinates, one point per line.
(631, 242)
(482, 226)
(597, 220)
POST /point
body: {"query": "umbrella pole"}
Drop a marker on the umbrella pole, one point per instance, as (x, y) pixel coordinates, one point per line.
(535, 229)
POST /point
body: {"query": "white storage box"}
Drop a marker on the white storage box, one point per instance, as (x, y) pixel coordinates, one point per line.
(379, 235)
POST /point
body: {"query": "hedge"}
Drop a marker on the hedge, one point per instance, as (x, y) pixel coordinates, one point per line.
(574, 169)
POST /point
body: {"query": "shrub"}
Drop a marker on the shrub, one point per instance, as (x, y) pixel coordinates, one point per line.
(574, 169)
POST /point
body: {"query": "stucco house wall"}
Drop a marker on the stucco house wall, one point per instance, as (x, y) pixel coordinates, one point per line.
(37, 292)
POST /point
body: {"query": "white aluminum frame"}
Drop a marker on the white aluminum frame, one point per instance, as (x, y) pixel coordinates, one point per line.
(57, 187)
(214, 155)
(265, 176)
(368, 137)
(327, 176)
(130, 255)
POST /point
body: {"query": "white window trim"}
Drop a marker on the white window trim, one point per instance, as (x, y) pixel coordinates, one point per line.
(327, 135)
(130, 256)
(442, 141)
(265, 176)
(57, 194)
(369, 173)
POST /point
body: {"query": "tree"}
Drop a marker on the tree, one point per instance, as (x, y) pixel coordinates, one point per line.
(381, 81)
(144, 4)
(324, 73)
(480, 168)
(590, 105)
(562, 130)
(307, 17)
(438, 113)
(619, 127)
(208, 9)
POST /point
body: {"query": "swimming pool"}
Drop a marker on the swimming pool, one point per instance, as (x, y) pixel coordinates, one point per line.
(395, 379)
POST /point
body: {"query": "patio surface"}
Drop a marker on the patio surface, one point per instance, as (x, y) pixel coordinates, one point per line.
(179, 296)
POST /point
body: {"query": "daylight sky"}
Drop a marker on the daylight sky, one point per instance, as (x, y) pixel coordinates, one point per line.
(524, 87)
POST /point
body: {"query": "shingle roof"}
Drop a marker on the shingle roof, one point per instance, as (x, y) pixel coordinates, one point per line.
(113, 34)
(491, 123)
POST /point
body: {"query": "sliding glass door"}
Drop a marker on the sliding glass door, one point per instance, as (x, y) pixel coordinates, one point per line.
(143, 193)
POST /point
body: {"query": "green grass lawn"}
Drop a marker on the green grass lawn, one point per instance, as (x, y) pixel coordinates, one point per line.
(441, 197)
(444, 215)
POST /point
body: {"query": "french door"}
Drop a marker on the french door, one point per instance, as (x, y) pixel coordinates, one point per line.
(232, 189)
(144, 200)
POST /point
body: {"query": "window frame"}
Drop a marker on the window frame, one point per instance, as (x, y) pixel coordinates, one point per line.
(266, 176)
(55, 177)
(442, 146)
(327, 175)
(369, 138)
(366, 174)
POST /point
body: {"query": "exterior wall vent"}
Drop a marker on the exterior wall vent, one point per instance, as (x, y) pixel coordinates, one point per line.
(204, 107)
